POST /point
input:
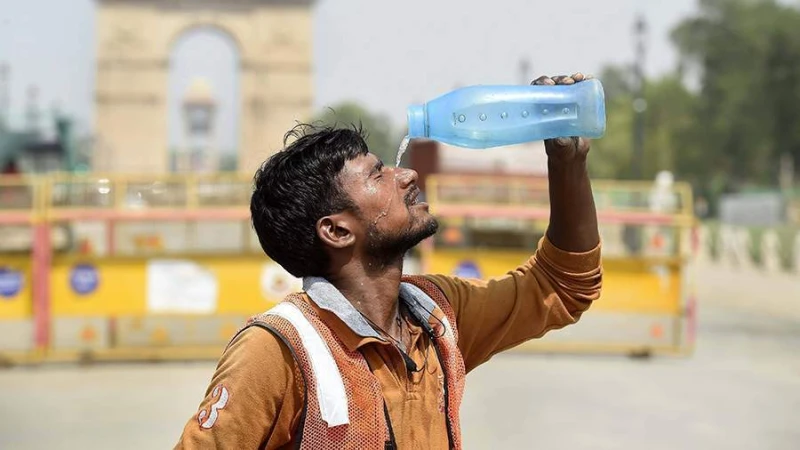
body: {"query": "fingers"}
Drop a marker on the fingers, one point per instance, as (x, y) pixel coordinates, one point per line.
(569, 142)
(561, 79)
(564, 149)
(543, 80)
(580, 144)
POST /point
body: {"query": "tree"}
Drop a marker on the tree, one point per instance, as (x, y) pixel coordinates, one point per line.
(733, 131)
(612, 155)
(748, 108)
(381, 140)
(667, 119)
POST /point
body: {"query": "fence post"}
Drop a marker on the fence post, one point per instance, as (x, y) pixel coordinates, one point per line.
(796, 253)
(41, 284)
(770, 251)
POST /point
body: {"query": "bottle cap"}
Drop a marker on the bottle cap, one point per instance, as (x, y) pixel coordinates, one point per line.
(417, 126)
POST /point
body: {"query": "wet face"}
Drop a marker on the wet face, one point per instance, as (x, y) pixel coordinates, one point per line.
(393, 219)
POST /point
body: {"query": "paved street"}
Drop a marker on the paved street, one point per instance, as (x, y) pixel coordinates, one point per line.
(741, 390)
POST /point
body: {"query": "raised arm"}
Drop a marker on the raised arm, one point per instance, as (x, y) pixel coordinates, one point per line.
(573, 217)
(557, 284)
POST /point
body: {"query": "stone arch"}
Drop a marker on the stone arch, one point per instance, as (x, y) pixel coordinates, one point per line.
(191, 70)
(134, 41)
(188, 28)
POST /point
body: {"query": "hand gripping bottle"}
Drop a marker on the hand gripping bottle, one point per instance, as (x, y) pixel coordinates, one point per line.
(492, 116)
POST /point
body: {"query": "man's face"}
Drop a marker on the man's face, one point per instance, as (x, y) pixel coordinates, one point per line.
(393, 220)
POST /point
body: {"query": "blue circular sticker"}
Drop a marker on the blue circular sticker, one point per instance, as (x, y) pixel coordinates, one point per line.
(467, 269)
(10, 282)
(84, 279)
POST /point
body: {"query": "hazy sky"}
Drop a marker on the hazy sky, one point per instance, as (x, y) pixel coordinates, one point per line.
(382, 54)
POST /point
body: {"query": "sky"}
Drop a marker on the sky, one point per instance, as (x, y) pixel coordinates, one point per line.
(384, 55)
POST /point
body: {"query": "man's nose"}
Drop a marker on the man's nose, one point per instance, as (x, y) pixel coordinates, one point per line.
(406, 177)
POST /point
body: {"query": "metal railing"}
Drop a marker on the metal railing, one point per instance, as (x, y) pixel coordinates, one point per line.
(147, 192)
(20, 199)
(617, 201)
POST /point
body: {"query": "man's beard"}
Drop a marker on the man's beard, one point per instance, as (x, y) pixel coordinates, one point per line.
(384, 248)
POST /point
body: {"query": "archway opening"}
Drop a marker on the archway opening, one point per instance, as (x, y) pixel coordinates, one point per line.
(204, 101)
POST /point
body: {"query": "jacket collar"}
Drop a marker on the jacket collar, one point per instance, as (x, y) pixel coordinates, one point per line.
(328, 298)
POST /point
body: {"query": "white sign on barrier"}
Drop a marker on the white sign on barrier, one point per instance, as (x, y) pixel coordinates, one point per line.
(180, 286)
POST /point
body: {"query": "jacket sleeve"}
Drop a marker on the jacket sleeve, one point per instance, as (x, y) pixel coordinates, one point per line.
(254, 399)
(551, 290)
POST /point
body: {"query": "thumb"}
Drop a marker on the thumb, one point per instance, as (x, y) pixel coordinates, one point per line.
(566, 141)
(561, 143)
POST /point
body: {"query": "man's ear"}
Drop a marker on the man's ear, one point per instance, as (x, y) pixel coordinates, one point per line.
(336, 230)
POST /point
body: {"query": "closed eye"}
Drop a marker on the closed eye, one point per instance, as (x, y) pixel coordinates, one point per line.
(377, 169)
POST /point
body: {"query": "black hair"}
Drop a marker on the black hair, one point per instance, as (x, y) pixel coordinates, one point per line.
(296, 187)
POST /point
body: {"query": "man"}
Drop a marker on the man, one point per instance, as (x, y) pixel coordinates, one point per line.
(365, 358)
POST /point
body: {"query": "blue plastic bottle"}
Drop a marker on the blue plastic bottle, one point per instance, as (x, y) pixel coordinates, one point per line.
(491, 116)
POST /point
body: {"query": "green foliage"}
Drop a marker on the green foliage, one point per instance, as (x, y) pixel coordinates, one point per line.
(786, 238)
(667, 120)
(714, 244)
(748, 54)
(731, 133)
(754, 249)
(611, 155)
(381, 140)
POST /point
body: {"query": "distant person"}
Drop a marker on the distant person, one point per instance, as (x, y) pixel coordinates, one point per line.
(662, 198)
(701, 207)
(364, 357)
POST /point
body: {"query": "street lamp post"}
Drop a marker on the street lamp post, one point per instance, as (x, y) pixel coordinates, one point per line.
(632, 234)
(639, 103)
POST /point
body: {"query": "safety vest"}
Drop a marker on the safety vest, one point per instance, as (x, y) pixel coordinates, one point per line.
(344, 406)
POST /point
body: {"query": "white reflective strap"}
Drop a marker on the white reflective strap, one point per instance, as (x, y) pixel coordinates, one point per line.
(448, 330)
(331, 395)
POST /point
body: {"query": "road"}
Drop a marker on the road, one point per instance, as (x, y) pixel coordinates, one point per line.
(741, 390)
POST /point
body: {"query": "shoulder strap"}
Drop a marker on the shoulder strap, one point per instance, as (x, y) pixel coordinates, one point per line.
(330, 390)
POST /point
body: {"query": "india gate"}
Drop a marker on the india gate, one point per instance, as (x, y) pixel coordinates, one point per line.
(134, 42)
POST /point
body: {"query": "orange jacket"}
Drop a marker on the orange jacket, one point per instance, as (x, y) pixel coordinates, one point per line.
(344, 406)
(258, 391)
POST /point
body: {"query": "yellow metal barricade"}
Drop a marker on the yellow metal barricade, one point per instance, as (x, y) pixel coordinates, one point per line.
(20, 199)
(130, 267)
(490, 225)
(161, 267)
(147, 267)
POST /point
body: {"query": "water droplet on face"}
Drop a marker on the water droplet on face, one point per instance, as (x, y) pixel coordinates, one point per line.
(524, 113)
(566, 110)
(462, 118)
(504, 115)
(482, 117)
